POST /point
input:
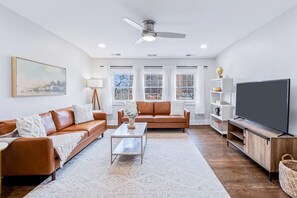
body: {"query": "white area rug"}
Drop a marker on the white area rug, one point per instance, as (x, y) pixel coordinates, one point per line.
(172, 167)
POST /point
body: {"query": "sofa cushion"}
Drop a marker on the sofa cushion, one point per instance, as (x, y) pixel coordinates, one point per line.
(145, 108)
(177, 108)
(162, 108)
(48, 123)
(82, 113)
(169, 119)
(92, 127)
(63, 118)
(144, 118)
(7, 126)
(31, 126)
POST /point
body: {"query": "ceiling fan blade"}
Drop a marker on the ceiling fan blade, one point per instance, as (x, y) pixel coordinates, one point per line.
(132, 23)
(170, 35)
(138, 41)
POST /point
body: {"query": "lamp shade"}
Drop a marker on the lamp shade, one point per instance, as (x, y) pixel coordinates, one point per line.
(95, 83)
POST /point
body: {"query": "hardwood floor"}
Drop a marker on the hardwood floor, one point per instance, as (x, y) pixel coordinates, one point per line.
(240, 176)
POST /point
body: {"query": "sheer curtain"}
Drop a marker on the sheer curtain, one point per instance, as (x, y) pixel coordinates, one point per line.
(138, 83)
(107, 107)
(199, 99)
(166, 83)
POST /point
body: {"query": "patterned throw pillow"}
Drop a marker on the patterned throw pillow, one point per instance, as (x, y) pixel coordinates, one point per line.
(83, 113)
(31, 126)
(177, 108)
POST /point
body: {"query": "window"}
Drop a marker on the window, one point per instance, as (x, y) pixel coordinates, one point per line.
(185, 87)
(123, 86)
(153, 86)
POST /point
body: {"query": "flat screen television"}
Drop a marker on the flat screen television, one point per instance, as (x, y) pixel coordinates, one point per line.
(266, 103)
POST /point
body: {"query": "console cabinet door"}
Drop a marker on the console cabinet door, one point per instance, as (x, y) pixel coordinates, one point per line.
(258, 149)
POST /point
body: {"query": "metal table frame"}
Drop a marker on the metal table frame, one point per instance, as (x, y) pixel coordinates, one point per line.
(143, 143)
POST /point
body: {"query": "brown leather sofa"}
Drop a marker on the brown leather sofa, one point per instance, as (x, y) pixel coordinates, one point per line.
(157, 115)
(36, 156)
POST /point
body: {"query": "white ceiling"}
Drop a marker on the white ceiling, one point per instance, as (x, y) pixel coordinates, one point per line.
(86, 23)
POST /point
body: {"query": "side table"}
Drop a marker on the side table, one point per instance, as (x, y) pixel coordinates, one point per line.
(3, 146)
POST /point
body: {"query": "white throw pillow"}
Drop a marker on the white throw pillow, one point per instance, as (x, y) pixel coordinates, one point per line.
(31, 126)
(177, 108)
(130, 107)
(82, 113)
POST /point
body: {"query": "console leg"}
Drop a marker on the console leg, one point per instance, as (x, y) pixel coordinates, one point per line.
(54, 176)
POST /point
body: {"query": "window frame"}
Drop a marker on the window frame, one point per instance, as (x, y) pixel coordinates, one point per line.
(159, 73)
(185, 72)
(122, 72)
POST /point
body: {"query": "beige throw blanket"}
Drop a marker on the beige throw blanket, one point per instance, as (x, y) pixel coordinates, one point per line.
(63, 144)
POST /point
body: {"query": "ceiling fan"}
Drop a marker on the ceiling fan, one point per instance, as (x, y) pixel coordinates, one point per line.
(148, 31)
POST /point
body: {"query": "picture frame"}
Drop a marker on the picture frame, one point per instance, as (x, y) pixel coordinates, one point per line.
(32, 78)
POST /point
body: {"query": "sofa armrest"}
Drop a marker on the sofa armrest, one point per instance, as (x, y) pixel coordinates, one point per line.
(187, 116)
(101, 116)
(120, 116)
(29, 156)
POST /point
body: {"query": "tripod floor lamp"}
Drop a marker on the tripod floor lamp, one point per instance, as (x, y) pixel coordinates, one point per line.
(95, 84)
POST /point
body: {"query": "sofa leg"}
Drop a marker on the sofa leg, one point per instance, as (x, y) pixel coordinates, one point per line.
(184, 130)
(102, 135)
(54, 176)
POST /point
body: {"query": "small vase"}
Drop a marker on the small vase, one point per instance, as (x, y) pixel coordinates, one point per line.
(131, 124)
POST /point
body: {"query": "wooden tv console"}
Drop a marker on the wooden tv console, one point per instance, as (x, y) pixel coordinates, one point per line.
(260, 143)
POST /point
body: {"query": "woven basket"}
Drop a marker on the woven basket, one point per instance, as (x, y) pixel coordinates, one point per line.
(288, 175)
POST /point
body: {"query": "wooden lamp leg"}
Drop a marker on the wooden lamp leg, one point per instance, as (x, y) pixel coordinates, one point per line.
(95, 99)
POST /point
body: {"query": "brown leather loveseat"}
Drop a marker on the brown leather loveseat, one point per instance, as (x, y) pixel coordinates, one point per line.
(157, 115)
(36, 156)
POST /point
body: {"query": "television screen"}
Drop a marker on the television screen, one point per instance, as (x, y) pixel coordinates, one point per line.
(266, 103)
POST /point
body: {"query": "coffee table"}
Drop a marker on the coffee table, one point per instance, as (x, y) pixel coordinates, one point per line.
(133, 141)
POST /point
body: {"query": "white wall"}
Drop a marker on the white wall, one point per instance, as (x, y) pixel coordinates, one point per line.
(209, 73)
(269, 53)
(22, 38)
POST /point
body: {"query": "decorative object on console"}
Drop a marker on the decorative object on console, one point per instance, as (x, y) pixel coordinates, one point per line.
(30, 126)
(30, 78)
(217, 89)
(130, 110)
(220, 72)
(217, 111)
(82, 113)
(95, 84)
(177, 108)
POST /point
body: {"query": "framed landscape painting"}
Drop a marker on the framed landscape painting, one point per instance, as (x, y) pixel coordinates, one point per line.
(30, 78)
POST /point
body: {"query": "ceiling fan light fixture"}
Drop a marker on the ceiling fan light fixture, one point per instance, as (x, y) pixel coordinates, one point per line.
(149, 37)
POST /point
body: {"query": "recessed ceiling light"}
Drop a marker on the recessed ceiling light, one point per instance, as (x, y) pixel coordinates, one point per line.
(116, 54)
(203, 46)
(152, 55)
(101, 45)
